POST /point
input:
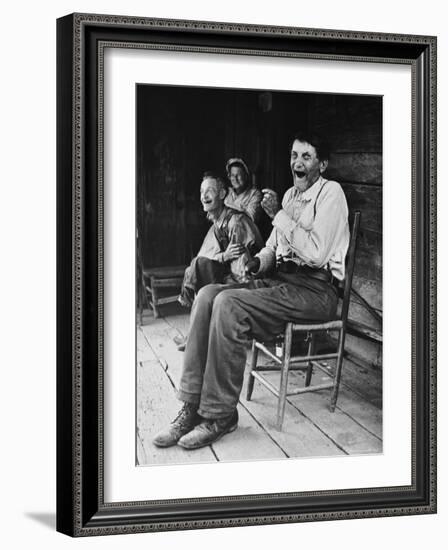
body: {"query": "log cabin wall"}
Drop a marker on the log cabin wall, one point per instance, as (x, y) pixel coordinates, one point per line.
(184, 131)
(356, 163)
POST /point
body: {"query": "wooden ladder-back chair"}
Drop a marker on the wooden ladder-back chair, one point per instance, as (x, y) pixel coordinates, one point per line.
(308, 361)
(167, 278)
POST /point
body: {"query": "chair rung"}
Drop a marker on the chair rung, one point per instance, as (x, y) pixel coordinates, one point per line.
(165, 272)
(307, 358)
(166, 300)
(295, 359)
(321, 367)
(265, 383)
(297, 391)
(317, 387)
(329, 325)
(276, 368)
(166, 283)
(265, 350)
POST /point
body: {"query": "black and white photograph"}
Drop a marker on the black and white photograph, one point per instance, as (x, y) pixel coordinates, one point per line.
(252, 278)
(189, 188)
(259, 274)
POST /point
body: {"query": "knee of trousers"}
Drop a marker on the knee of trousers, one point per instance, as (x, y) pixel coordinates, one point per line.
(206, 294)
(201, 260)
(225, 303)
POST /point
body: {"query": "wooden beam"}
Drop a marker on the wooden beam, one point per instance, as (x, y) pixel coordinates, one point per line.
(364, 331)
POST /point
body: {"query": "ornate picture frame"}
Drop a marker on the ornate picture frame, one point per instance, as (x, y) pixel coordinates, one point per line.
(81, 506)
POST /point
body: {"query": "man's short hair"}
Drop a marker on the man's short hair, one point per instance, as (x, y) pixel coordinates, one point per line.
(316, 140)
(214, 176)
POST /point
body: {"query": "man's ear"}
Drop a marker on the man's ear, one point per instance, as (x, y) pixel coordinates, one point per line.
(323, 166)
(223, 193)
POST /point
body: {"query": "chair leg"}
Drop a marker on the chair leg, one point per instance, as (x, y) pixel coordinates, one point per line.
(154, 298)
(143, 299)
(140, 306)
(253, 366)
(284, 376)
(338, 372)
(309, 370)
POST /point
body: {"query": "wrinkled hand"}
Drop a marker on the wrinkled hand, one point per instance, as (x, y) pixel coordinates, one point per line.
(233, 251)
(270, 202)
(252, 266)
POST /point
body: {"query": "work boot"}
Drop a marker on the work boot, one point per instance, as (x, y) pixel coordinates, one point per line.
(209, 431)
(186, 420)
(181, 342)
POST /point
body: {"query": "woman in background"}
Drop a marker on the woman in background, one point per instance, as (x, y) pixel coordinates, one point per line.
(242, 195)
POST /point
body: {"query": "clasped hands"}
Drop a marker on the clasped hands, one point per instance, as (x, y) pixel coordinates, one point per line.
(234, 251)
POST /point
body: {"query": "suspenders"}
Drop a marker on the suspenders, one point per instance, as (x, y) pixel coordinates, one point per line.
(318, 194)
(221, 233)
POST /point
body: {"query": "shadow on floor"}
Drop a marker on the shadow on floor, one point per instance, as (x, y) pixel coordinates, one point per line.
(48, 519)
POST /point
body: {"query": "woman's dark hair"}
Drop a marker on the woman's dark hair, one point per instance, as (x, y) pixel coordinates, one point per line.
(316, 140)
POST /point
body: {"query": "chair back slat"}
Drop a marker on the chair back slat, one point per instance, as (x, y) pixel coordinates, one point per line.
(350, 266)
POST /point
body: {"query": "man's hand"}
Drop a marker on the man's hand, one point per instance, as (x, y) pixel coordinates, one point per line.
(233, 251)
(252, 266)
(270, 202)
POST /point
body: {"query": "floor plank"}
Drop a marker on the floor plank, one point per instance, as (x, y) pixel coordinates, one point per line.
(159, 335)
(360, 410)
(345, 432)
(248, 442)
(144, 351)
(367, 382)
(298, 437)
(157, 406)
(180, 322)
(142, 459)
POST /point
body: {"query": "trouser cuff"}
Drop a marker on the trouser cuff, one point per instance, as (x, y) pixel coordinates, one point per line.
(188, 397)
(213, 414)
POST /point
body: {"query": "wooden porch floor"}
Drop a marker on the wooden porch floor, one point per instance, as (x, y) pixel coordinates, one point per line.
(309, 428)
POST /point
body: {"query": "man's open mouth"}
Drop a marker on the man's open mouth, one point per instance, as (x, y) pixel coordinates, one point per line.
(299, 174)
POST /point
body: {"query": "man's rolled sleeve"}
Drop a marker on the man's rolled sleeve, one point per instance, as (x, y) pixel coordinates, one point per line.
(267, 254)
(267, 260)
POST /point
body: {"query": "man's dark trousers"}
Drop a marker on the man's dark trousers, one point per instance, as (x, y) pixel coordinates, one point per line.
(224, 318)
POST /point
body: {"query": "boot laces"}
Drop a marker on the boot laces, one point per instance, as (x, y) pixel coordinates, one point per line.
(183, 415)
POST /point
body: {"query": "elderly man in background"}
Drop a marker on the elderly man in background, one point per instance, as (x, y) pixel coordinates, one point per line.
(294, 276)
(242, 195)
(229, 244)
